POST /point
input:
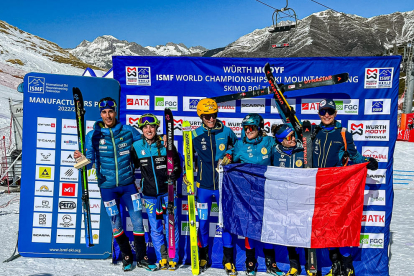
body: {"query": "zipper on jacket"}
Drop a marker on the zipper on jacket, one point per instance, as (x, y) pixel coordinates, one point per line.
(116, 159)
(153, 169)
(212, 160)
(327, 153)
(324, 144)
(201, 170)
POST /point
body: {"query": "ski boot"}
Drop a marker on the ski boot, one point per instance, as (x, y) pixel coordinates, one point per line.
(141, 254)
(293, 272)
(271, 266)
(347, 266)
(228, 261)
(126, 253)
(146, 264)
(172, 265)
(251, 263)
(308, 273)
(203, 255)
(336, 269)
(163, 264)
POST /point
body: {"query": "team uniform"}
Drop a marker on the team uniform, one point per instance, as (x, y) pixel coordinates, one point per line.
(152, 160)
(110, 150)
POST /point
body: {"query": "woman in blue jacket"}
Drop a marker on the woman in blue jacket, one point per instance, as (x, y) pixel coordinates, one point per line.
(256, 148)
(150, 155)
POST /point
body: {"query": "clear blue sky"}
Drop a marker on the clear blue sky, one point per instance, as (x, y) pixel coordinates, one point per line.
(209, 23)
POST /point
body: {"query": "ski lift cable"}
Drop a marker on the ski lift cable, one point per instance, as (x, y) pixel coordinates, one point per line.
(395, 39)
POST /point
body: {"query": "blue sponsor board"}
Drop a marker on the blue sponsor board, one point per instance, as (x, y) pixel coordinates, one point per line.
(51, 217)
(371, 79)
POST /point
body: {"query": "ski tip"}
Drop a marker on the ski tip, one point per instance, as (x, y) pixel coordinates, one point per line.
(340, 78)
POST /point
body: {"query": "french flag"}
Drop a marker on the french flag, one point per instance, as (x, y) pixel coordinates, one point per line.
(312, 208)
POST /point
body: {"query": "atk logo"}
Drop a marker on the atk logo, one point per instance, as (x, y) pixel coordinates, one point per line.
(138, 102)
(373, 218)
(138, 75)
(68, 189)
(36, 85)
(378, 77)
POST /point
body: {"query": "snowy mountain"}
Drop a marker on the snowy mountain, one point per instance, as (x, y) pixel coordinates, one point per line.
(22, 52)
(328, 33)
(100, 51)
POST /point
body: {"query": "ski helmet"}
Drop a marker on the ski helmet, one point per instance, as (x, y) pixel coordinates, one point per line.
(253, 119)
(148, 119)
(206, 106)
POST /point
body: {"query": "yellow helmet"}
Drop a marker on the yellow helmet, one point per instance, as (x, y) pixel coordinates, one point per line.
(206, 106)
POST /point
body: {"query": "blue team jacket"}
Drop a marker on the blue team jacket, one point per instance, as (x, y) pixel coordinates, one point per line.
(211, 145)
(110, 150)
(256, 151)
(329, 148)
(282, 158)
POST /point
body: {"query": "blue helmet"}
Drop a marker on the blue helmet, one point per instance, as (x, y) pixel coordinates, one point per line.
(253, 119)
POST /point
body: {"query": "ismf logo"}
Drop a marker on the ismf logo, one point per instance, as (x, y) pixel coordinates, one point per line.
(377, 106)
(193, 104)
(137, 102)
(36, 85)
(378, 77)
(68, 189)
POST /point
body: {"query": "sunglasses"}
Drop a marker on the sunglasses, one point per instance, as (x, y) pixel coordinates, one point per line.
(289, 138)
(146, 120)
(110, 104)
(250, 128)
(209, 116)
(330, 111)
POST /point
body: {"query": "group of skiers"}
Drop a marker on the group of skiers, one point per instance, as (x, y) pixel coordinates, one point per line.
(118, 149)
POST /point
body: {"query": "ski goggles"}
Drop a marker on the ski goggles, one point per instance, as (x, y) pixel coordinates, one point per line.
(209, 116)
(330, 111)
(147, 120)
(250, 128)
(283, 133)
(107, 104)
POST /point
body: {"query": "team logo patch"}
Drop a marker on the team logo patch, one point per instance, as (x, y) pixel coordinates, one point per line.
(222, 147)
(299, 163)
(143, 152)
(102, 141)
(264, 151)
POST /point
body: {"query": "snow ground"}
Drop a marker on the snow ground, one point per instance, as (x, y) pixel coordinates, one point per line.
(7, 93)
(402, 228)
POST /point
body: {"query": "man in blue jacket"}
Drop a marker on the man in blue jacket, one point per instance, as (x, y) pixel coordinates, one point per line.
(211, 141)
(108, 146)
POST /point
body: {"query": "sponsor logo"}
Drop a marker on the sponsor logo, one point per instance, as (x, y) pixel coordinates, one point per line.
(68, 174)
(66, 158)
(95, 206)
(253, 105)
(378, 78)
(92, 177)
(376, 177)
(46, 124)
(162, 102)
(371, 240)
(95, 237)
(43, 204)
(227, 107)
(69, 126)
(195, 122)
(377, 106)
(343, 106)
(46, 140)
(214, 211)
(138, 75)
(69, 142)
(65, 236)
(374, 197)
(138, 102)
(42, 219)
(274, 110)
(184, 207)
(41, 235)
(369, 130)
(43, 188)
(215, 230)
(379, 153)
(68, 189)
(45, 156)
(67, 205)
(45, 173)
(122, 145)
(36, 85)
(190, 103)
(373, 218)
(66, 221)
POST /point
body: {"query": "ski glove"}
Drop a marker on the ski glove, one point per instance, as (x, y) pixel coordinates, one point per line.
(373, 164)
(175, 174)
(226, 159)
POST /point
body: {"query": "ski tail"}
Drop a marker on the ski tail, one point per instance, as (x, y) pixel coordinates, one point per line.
(169, 120)
(287, 111)
(318, 82)
(80, 121)
(189, 170)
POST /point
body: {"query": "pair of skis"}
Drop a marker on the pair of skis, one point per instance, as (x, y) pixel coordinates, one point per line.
(80, 122)
(188, 154)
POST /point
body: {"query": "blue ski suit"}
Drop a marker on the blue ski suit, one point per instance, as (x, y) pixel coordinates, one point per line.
(110, 150)
(256, 151)
(152, 160)
(210, 145)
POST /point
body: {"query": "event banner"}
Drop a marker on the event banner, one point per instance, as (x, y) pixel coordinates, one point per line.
(366, 104)
(51, 215)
